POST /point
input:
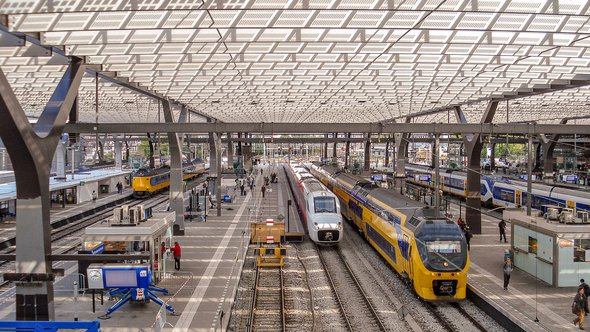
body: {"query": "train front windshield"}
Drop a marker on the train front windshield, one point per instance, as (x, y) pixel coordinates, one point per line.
(442, 247)
(324, 204)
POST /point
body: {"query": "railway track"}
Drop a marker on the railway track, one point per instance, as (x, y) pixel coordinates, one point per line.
(308, 285)
(454, 318)
(357, 309)
(268, 301)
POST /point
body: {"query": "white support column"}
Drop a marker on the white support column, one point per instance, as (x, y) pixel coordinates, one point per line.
(60, 161)
(118, 154)
(176, 183)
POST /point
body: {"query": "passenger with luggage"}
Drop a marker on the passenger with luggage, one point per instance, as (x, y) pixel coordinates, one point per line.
(579, 308)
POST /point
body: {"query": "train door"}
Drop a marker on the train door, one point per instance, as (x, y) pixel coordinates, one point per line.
(406, 260)
(517, 198)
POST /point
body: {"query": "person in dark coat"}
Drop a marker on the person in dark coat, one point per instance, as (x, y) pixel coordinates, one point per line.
(508, 267)
(584, 285)
(468, 237)
(579, 307)
(177, 253)
(263, 189)
(502, 226)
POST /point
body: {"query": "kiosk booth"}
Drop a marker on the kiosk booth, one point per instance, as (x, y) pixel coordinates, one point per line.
(128, 235)
(553, 251)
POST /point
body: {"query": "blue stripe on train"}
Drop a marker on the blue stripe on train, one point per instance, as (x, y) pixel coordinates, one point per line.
(381, 242)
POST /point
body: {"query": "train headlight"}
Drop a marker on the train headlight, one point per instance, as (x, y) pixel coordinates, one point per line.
(340, 225)
(445, 264)
(315, 224)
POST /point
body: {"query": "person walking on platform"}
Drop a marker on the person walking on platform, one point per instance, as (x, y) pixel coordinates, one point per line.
(502, 226)
(176, 251)
(579, 307)
(508, 267)
(119, 187)
(584, 285)
(263, 190)
(468, 237)
(94, 196)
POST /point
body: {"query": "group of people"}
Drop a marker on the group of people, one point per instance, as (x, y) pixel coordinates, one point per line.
(176, 253)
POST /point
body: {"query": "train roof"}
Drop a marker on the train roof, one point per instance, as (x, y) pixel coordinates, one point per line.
(316, 188)
(403, 204)
(151, 171)
(351, 180)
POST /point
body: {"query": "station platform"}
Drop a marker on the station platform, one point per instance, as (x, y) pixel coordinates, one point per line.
(8, 190)
(530, 303)
(203, 291)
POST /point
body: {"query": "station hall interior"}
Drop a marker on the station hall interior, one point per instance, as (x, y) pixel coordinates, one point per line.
(266, 165)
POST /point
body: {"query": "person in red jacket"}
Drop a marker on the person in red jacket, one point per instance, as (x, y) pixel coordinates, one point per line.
(176, 251)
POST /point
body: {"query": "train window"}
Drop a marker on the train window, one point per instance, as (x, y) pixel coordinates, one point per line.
(504, 195)
(414, 221)
(580, 247)
(444, 247)
(324, 204)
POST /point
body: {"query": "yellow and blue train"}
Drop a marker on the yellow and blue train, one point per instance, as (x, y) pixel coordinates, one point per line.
(146, 181)
(429, 253)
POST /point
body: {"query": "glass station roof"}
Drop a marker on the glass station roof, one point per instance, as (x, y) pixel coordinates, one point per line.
(306, 61)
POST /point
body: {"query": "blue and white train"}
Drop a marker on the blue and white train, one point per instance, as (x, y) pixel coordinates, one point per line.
(500, 191)
(319, 207)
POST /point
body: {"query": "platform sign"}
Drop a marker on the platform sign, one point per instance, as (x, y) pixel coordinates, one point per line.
(270, 222)
(270, 239)
(377, 177)
(98, 249)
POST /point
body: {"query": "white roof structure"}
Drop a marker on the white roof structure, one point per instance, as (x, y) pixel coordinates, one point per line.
(306, 60)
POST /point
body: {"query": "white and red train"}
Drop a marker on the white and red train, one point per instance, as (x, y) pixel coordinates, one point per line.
(319, 208)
